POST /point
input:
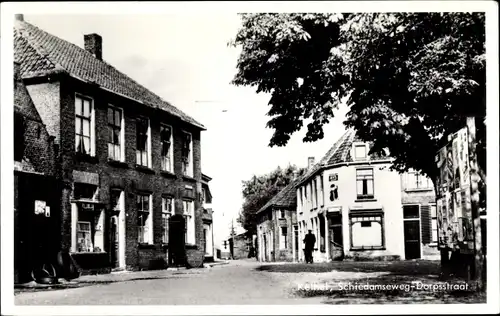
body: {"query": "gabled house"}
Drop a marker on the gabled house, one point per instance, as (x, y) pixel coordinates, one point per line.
(277, 230)
(127, 158)
(36, 189)
(353, 203)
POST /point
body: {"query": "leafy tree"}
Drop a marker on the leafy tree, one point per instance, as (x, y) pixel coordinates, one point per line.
(409, 79)
(258, 190)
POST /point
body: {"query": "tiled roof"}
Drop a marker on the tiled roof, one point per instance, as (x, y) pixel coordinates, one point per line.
(285, 198)
(340, 152)
(41, 53)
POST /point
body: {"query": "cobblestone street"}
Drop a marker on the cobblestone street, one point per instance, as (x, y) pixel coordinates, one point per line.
(250, 282)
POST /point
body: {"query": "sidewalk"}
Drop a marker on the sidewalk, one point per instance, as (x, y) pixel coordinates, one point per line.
(121, 276)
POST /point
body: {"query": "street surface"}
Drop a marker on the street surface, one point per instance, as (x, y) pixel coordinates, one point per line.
(251, 282)
(235, 283)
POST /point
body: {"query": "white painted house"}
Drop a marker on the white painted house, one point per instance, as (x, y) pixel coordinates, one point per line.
(352, 203)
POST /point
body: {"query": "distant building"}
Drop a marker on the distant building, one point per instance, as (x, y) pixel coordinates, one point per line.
(277, 230)
(239, 246)
(356, 207)
(207, 217)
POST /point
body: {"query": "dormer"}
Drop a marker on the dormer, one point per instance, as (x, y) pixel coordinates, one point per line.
(360, 151)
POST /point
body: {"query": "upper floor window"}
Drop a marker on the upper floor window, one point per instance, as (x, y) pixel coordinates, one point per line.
(364, 183)
(84, 135)
(187, 154)
(18, 137)
(143, 152)
(167, 161)
(418, 181)
(360, 151)
(282, 213)
(283, 238)
(116, 144)
(434, 225)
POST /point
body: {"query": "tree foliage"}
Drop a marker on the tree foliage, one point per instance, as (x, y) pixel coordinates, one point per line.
(258, 190)
(409, 79)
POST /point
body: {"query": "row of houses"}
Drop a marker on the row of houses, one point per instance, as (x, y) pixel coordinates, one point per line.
(101, 163)
(355, 206)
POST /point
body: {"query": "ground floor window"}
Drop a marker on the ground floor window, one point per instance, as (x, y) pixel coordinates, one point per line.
(144, 219)
(367, 231)
(89, 230)
(188, 208)
(284, 238)
(166, 212)
(434, 227)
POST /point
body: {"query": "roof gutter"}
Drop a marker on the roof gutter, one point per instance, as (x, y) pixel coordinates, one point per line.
(344, 164)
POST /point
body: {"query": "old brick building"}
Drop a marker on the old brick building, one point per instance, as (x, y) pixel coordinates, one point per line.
(277, 230)
(127, 159)
(36, 200)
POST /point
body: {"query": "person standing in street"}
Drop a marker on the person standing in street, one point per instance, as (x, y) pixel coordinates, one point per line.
(309, 242)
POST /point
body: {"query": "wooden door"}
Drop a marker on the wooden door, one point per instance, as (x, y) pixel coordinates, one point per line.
(412, 239)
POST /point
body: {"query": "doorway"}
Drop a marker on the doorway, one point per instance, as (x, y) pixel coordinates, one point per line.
(115, 241)
(411, 215)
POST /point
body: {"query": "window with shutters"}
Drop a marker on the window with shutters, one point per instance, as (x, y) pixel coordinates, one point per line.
(434, 228)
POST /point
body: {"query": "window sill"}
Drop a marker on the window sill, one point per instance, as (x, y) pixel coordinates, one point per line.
(419, 190)
(367, 248)
(433, 244)
(188, 178)
(86, 158)
(117, 163)
(144, 169)
(361, 199)
(167, 174)
(146, 246)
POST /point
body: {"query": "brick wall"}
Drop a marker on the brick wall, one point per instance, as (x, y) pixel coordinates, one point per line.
(125, 176)
(288, 222)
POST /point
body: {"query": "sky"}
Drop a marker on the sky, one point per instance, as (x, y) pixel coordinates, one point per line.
(185, 60)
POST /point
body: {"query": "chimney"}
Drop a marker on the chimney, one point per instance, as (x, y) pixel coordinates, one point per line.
(310, 162)
(93, 44)
(19, 17)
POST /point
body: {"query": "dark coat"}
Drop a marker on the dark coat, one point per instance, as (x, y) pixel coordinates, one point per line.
(310, 240)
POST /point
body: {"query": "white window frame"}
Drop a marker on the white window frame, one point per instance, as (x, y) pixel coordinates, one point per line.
(122, 133)
(412, 182)
(79, 96)
(433, 242)
(148, 223)
(165, 216)
(169, 167)
(148, 145)
(357, 145)
(283, 238)
(360, 177)
(78, 231)
(190, 169)
(189, 216)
